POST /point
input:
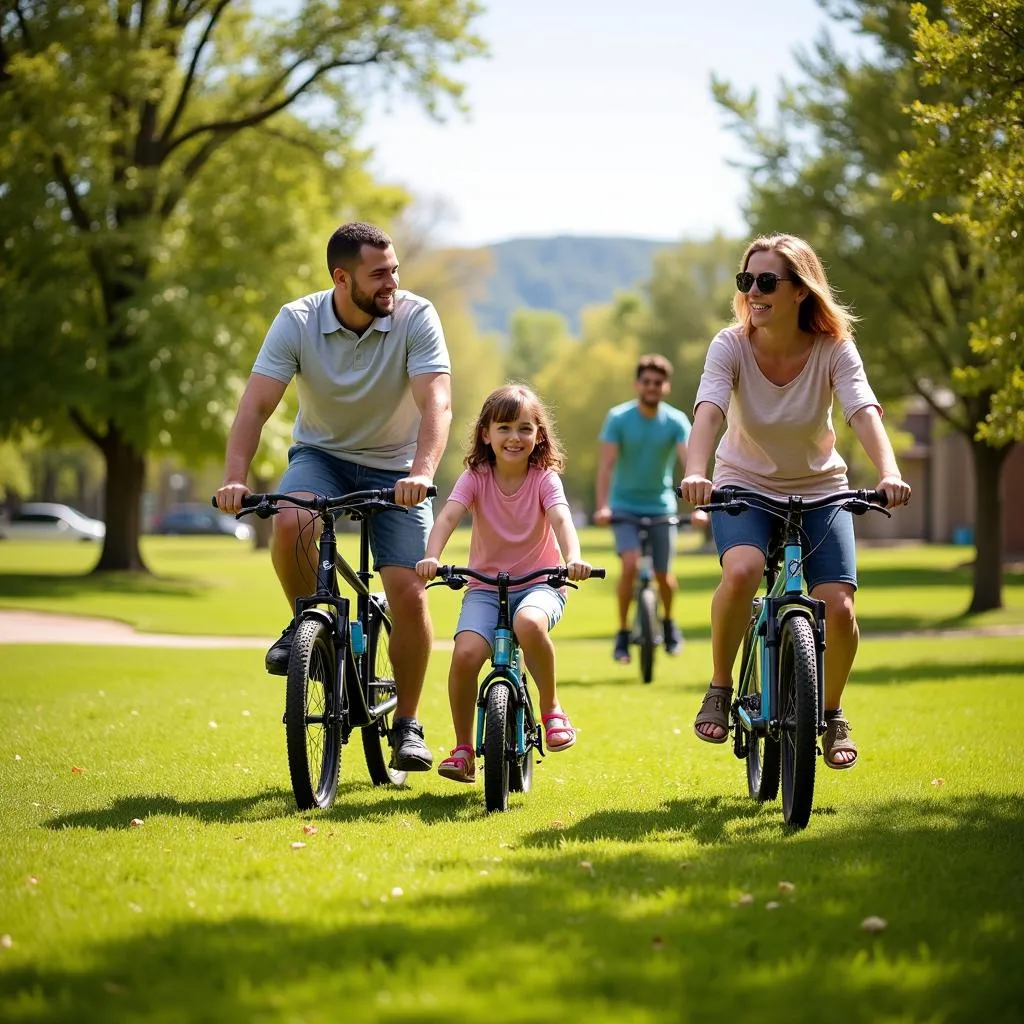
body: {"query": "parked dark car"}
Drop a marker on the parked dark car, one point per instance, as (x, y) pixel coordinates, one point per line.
(195, 519)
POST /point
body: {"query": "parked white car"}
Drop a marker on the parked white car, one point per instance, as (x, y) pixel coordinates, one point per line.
(45, 520)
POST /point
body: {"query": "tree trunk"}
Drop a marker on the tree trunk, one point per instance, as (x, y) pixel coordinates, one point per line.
(126, 474)
(988, 527)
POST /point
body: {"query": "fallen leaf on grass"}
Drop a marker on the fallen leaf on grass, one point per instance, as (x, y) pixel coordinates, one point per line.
(310, 830)
(746, 898)
(772, 905)
(585, 865)
(6, 941)
(75, 770)
(938, 782)
(786, 886)
(298, 846)
(397, 891)
(136, 822)
(874, 924)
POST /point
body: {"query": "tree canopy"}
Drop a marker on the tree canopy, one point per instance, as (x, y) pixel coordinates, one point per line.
(170, 174)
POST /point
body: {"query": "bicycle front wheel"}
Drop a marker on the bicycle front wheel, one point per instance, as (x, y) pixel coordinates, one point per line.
(798, 715)
(380, 688)
(499, 745)
(762, 749)
(520, 772)
(312, 716)
(647, 631)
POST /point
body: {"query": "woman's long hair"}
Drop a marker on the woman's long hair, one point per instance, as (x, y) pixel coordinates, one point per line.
(820, 312)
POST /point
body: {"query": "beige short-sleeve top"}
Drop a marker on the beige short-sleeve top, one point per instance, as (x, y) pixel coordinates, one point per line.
(780, 438)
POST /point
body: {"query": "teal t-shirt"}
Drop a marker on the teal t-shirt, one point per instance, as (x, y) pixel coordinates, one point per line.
(642, 481)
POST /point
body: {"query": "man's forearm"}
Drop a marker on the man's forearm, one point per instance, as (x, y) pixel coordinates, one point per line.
(431, 441)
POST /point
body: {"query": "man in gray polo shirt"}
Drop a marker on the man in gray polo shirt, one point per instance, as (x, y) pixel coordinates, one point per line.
(373, 379)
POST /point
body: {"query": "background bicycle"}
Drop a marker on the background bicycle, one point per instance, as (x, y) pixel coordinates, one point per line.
(340, 675)
(507, 730)
(778, 713)
(647, 632)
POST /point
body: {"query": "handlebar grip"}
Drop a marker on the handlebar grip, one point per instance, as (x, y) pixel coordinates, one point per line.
(597, 574)
(432, 491)
(213, 501)
(249, 501)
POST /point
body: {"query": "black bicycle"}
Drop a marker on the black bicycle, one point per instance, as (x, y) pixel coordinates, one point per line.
(507, 730)
(340, 675)
(778, 713)
(646, 633)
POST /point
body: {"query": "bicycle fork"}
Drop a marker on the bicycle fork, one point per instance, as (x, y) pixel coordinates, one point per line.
(506, 669)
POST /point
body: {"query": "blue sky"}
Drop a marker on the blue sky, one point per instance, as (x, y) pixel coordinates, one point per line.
(595, 117)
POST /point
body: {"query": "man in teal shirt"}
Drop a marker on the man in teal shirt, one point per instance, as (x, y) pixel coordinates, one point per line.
(641, 441)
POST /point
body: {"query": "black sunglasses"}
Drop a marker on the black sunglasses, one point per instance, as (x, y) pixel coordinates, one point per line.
(766, 282)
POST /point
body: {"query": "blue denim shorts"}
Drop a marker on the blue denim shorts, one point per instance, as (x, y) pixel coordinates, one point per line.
(479, 612)
(830, 555)
(396, 538)
(662, 538)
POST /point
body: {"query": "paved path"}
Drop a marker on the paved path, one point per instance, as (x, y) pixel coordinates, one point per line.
(24, 627)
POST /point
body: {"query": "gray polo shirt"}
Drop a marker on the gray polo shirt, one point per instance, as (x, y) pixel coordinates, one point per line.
(354, 395)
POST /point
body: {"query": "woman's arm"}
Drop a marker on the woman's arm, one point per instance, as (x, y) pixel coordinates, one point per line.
(707, 421)
(867, 425)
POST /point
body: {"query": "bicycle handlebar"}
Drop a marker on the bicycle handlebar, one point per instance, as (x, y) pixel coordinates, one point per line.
(265, 505)
(735, 499)
(455, 575)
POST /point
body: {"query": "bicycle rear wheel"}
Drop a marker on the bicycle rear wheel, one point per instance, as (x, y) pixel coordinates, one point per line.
(798, 714)
(499, 745)
(381, 687)
(312, 716)
(647, 631)
(762, 750)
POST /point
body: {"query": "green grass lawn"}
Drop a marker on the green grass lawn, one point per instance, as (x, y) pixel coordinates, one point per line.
(635, 883)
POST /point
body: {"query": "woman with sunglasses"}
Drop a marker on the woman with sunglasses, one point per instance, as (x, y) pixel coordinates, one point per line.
(771, 378)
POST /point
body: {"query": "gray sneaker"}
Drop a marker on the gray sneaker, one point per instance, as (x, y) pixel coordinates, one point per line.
(408, 751)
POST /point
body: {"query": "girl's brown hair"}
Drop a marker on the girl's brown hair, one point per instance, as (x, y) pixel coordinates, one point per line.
(506, 405)
(820, 312)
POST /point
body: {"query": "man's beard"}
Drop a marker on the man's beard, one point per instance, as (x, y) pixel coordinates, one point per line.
(371, 305)
(648, 404)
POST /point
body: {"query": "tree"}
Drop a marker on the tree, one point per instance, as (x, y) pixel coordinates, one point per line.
(162, 161)
(827, 170)
(535, 339)
(974, 149)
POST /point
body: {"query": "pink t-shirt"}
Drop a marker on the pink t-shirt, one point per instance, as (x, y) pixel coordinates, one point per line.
(511, 532)
(780, 439)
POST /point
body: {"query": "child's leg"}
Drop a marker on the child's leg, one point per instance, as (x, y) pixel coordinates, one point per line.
(471, 651)
(531, 629)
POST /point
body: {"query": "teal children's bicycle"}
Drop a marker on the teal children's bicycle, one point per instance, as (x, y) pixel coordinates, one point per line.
(507, 730)
(778, 713)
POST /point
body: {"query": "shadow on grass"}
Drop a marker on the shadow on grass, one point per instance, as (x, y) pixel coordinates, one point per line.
(278, 803)
(935, 672)
(624, 934)
(18, 585)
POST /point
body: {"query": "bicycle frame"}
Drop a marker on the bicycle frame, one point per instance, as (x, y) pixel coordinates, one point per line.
(507, 666)
(784, 598)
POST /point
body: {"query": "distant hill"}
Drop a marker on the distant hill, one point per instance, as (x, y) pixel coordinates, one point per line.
(563, 273)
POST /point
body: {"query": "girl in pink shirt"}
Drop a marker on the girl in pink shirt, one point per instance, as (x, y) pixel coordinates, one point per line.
(521, 522)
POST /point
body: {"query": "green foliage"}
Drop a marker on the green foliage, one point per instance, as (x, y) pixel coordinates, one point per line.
(536, 339)
(972, 148)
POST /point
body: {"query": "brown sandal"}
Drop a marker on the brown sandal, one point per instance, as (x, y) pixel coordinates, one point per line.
(837, 740)
(714, 709)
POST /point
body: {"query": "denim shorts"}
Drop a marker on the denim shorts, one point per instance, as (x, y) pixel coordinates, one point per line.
(479, 612)
(662, 538)
(396, 538)
(829, 557)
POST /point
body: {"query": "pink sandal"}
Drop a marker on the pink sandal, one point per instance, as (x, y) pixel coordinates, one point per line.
(459, 767)
(565, 730)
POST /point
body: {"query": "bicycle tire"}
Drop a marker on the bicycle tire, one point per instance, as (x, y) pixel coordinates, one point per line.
(499, 739)
(311, 718)
(520, 771)
(798, 715)
(647, 632)
(763, 751)
(376, 736)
